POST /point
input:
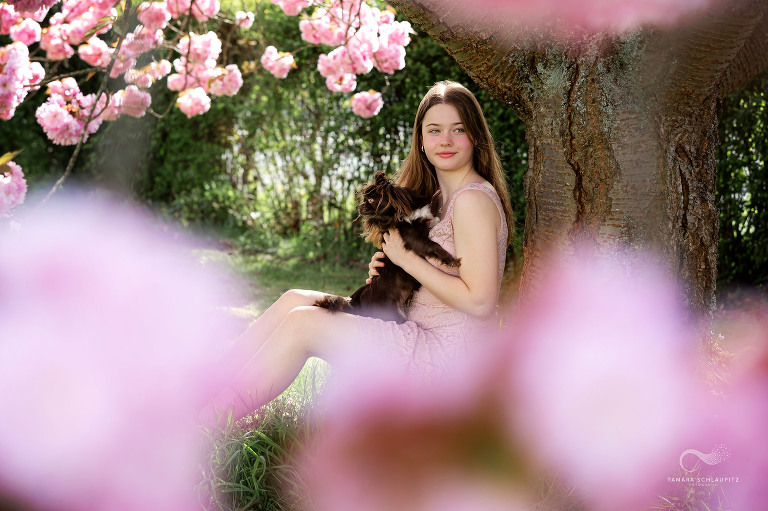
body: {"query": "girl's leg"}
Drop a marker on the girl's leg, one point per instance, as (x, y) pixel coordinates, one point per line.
(251, 340)
(306, 331)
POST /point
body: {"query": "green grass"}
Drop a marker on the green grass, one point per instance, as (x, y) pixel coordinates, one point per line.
(252, 463)
(267, 276)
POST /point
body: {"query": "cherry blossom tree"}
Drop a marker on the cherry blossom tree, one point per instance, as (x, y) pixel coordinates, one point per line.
(620, 100)
(136, 47)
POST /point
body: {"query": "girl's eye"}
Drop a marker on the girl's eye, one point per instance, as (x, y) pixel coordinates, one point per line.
(459, 130)
(433, 130)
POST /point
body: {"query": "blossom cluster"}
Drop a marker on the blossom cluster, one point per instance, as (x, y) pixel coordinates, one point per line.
(364, 37)
(17, 77)
(66, 110)
(13, 186)
(80, 28)
(366, 104)
(197, 75)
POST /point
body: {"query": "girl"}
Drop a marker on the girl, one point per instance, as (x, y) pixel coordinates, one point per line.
(452, 155)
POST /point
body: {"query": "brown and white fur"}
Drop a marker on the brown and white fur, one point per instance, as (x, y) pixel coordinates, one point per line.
(385, 206)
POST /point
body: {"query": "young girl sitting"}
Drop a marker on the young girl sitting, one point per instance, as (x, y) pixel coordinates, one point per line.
(452, 154)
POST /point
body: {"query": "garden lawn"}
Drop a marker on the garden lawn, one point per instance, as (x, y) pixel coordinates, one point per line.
(252, 463)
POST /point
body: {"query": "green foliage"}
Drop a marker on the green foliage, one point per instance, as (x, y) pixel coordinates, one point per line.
(742, 186)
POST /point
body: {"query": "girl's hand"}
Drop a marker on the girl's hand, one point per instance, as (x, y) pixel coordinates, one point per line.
(394, 247)
(376, 262)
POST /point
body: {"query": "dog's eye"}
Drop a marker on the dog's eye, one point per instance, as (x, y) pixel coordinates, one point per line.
(370, 201)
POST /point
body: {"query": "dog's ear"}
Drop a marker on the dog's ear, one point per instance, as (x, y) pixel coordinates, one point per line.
(402, 199)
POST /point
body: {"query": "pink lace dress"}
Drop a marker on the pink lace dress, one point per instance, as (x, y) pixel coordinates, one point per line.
(435, 333)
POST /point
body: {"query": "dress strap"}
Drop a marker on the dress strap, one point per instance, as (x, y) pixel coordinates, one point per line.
(491, 192)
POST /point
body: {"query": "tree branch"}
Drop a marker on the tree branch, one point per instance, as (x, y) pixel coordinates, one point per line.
(495, 63)
(691, 63)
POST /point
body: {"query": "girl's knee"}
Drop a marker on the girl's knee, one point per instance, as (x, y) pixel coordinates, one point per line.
(296, 298)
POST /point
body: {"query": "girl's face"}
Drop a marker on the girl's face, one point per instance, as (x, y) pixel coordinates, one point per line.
(445, 142)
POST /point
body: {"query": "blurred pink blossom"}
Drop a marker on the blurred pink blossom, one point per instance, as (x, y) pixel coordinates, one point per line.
(569, 18)
(13, 187)
(277, 63)
(392, 441)
(108, 328)
(366, 104)
(27, 32)
(602, 378)
(193, 102)
(244, 19)
(593, 381)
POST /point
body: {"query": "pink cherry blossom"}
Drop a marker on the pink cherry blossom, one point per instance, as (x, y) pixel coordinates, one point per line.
(366, 104)
(140, 78)
(8, 18)
(27, 6)
(77, 377)
(123, 62)
(63, 121)
(227, 82)
(178, 8)
(67, 88)
(293, 7)
(154, 15)
(193, 102)
(341, 83)
(396, 32)
(277, 63)
(130, 101)
(27, 32)
(141, 40)
(95, 52)
(53, 41)
(13, 187)
(202, 10)
(323, 28)
(177, 82)
(389, 59)
(244, 19)
(17, 76)
(200, 48)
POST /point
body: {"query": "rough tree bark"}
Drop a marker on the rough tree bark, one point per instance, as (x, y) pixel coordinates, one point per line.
(622, 131)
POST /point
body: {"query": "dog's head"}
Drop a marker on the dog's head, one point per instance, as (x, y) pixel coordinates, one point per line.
(383, 204)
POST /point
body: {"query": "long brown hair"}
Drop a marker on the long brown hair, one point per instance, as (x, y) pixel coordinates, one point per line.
(418, 174)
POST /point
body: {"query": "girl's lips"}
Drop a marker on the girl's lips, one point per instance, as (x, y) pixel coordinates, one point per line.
(445, 155)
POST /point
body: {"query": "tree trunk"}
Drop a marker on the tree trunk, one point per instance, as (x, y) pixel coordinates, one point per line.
(622, 134)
